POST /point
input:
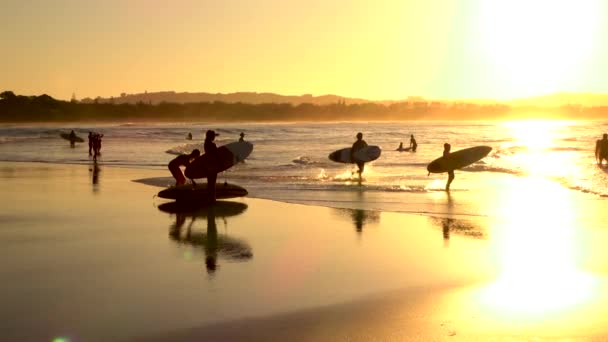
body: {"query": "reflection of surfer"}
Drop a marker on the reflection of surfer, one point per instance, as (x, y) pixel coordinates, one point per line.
(601, 149)
(446, 151)
(413, 144)
(182, 160)
(359, 144)
(211, 150)
(95, 176)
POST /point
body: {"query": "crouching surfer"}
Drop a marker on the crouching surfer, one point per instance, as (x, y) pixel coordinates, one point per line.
(182, 160)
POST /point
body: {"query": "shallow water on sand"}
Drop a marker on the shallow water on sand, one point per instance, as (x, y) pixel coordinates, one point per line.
(290, 163)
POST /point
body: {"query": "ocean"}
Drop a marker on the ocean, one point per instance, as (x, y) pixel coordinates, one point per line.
(289, 161)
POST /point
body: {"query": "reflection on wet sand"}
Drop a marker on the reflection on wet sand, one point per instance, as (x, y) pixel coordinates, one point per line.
(360, 217)
(214, 245)
(95, 169)
(458, 226)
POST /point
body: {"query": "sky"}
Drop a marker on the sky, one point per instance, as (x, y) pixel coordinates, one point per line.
(378, 50)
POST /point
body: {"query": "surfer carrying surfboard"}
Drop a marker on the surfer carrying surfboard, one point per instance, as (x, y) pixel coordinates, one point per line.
(359, 144)
(211, 150)
(601, 149)
(446, 151)
(182, 160)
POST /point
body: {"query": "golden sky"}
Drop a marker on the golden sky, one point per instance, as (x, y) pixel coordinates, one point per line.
(383, 49)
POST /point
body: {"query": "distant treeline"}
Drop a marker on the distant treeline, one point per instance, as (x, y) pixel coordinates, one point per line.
(43, 108)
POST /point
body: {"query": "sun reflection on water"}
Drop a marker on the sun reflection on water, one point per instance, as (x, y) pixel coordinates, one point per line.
(537, 256)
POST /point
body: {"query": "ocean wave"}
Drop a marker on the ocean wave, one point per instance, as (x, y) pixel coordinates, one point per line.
(482, 167)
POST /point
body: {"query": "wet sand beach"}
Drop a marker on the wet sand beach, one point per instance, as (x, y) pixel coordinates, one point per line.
(88, 254)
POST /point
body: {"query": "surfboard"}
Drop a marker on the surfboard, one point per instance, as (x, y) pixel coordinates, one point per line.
(187, 192)
(458, 159)
(366, 154)
(405, 149)
(228, 155)
(66, 136)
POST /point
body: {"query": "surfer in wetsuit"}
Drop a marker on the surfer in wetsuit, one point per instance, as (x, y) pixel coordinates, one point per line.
(413, 143)
(400, 148)
(242, 138)
(446, 151)
(189, 136)
(601, 149)
(90, 142)
(72, 138)
(359, 144)
(182, 160)
(211, 150)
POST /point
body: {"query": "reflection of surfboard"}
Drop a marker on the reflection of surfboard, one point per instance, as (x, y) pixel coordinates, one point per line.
(365, 154)
(66, 136)
(458, 159)
(187, 192)
(229, 155)
(218, 209)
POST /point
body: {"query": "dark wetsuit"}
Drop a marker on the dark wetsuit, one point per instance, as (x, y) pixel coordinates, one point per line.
(601, 150)
(359, 144)
(450, 172)
(174, 165)
(413, 144)
(211, 150)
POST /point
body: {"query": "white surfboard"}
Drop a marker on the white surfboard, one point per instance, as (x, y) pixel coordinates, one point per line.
(365, 154)
(240, 150)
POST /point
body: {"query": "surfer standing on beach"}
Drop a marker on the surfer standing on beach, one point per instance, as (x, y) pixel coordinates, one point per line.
(446, 151)
(182, 160)
(359, 144)
(601, 149)
(211, 150)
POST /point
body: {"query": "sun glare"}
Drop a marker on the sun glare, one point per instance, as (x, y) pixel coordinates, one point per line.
(539, 45)
(536, 254)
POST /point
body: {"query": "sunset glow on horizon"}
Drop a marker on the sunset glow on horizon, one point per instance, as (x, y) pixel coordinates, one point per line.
(392, 49)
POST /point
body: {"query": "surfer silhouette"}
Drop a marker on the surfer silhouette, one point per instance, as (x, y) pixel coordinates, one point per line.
(601, 149)
(211, 150)
(400, 148)
(90, 142)
(183, 160)
(413, 143)
(446, 151)
(242, 138)
(189, 136)
(72, 138)
(359, 144)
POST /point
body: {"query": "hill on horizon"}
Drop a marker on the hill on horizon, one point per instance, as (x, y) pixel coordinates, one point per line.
(243, 97)
(549, 100)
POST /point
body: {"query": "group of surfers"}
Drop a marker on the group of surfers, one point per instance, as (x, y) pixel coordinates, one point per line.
(95, 144)
(210, 149)
(601, 152)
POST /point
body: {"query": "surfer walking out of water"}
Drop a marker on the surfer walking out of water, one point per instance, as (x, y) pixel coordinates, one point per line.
(446, 151)
(359, 144)
(413, 143)
(211, 150)
(182, 160)
(601, 149)
(72, 138)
